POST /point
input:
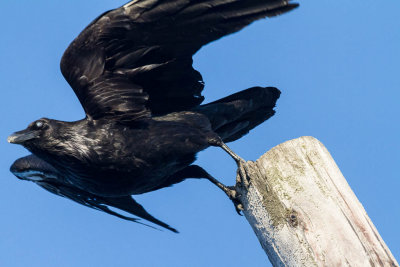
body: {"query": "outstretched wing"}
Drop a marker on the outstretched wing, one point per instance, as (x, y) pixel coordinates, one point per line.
(136, 60)
(43, 174)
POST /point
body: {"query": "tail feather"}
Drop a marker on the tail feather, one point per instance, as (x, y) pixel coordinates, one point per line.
(254, 119)
(234, 116)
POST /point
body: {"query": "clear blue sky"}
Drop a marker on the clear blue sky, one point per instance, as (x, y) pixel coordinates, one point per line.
(337, 65)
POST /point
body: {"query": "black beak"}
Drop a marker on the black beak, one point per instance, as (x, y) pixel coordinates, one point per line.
(22, 136)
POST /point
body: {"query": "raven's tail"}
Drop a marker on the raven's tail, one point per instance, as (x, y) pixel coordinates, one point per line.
(234, 116)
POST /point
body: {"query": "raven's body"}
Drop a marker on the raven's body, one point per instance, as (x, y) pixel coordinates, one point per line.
(132, 71)
(112, 159)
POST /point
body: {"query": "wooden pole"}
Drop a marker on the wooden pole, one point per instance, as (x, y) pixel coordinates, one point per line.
(304, 213)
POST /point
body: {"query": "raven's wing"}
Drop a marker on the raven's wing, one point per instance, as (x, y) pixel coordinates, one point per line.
(46, 176)
(136, 60)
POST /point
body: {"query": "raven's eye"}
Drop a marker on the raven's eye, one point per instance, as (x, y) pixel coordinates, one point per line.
(39, 124)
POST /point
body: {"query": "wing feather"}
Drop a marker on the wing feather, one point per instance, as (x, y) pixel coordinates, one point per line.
(136, 61)
(52, 181)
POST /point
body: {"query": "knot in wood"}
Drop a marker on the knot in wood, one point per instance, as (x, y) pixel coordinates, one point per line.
(292, 219)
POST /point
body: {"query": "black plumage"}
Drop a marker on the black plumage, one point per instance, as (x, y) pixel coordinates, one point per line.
(32, 168)
(131, 69)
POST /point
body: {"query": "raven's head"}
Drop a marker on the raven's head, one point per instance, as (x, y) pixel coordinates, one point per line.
(49, 139)
(34, 135)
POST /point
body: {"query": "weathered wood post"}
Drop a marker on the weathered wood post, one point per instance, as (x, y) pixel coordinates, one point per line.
(305, 214)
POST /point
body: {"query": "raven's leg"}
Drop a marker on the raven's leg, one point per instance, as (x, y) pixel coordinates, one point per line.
(195, 171)
(243, 177)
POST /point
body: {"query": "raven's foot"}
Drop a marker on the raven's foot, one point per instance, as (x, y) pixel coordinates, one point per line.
(230, 191)
(242, 177)
(234, 196)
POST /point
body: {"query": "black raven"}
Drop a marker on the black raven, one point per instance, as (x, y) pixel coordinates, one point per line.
(131, 69)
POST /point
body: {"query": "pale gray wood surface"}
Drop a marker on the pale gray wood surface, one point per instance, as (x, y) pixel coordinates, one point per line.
(304, 213)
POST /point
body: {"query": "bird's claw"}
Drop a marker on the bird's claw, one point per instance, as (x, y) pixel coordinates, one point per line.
(239, 208)
(242, 182)
(234, 196)
(242, 178)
